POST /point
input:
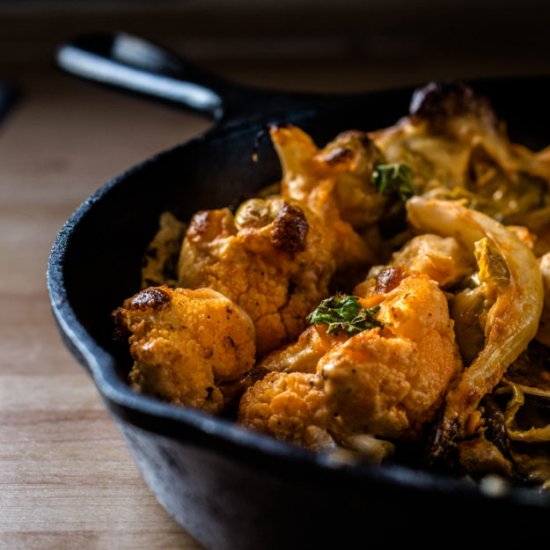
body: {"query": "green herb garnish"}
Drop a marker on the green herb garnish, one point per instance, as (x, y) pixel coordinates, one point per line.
(393, 179)
(344, 313)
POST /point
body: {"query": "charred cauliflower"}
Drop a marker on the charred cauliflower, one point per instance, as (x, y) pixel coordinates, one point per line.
(387, 381)
(341, 172)
(335, 184)
(390, 381)
(290, 407)
(185, 343)
(272, 258)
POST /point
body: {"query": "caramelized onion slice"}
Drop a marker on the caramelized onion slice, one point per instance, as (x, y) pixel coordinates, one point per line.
(513, 317)
(530, 435)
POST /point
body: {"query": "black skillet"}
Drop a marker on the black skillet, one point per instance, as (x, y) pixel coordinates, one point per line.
(228, 487)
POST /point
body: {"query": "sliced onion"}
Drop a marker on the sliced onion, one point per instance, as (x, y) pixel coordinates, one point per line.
(513, 317)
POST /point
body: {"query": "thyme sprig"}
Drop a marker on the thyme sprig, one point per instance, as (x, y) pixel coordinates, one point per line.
(344, 313)
(394, 179)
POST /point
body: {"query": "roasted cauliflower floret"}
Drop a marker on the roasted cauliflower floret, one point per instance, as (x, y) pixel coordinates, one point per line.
(345, 165)
(387, 382)
(290, 407)
(185, 343)
(304, 354)
(442, 259)
(335, 183)
(272, 258)
(390, 382)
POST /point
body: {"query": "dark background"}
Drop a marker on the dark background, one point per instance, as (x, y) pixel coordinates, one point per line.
(387, 42)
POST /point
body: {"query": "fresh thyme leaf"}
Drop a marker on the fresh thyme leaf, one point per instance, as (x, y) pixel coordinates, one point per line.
(344, 313)
(393, 179)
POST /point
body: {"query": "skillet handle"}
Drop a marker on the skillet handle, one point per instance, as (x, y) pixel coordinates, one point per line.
(137, 65)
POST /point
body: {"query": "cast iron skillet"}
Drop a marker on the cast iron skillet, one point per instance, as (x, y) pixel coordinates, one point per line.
(229, 487)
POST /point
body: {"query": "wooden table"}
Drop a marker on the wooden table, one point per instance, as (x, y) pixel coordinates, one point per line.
(66, 478)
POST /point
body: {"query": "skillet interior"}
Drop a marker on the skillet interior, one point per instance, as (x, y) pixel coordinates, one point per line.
(106, 246)
(95, 265)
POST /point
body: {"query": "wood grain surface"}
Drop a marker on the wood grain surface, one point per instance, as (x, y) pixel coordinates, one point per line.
(66, 478)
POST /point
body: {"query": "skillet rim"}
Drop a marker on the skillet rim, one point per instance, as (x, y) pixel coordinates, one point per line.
(220, 435)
